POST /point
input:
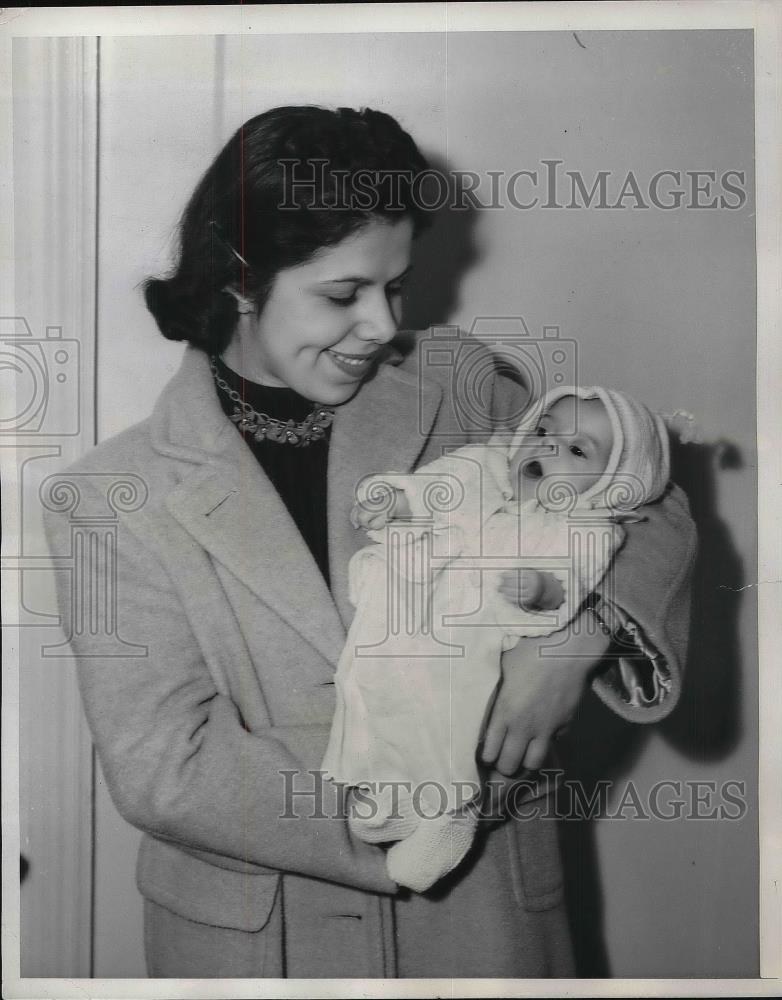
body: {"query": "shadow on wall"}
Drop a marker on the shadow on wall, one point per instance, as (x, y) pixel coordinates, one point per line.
(704, 725)
(599, 745)
(442, 256)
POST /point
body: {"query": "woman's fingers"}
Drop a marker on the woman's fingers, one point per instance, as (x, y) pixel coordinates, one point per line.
(536, 753)
(495, 795)
(513, 752)
(492, 741)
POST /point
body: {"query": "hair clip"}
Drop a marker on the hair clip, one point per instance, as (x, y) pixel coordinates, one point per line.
(225, 242)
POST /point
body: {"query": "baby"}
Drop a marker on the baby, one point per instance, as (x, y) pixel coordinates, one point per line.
(472, 551)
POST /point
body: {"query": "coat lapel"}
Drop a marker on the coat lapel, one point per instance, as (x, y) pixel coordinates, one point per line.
(243, 523)
(228, 505)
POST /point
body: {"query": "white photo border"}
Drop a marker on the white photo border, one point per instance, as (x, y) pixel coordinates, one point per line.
(765, 18)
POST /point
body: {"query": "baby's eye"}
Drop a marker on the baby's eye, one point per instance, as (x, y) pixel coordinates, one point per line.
(541, 432)
(575, 450)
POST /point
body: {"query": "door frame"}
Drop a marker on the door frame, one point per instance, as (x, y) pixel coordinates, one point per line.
(55, 106)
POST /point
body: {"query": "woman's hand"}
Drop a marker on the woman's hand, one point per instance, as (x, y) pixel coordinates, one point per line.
(538, 697)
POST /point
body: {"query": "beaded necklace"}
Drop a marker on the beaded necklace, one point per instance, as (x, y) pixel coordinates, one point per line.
(262, 427)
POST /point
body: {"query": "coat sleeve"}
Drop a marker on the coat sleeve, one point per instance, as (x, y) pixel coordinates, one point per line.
(648, 588)
(177, 758)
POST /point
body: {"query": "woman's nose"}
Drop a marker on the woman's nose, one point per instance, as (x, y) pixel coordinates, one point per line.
(379, 322)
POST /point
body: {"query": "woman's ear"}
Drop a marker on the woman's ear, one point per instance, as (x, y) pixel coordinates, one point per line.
(244, 305)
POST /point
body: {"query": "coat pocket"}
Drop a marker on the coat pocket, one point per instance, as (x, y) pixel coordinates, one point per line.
(535, 862)
(202, 892)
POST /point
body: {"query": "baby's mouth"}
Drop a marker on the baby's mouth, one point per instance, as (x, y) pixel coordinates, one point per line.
(532, 469)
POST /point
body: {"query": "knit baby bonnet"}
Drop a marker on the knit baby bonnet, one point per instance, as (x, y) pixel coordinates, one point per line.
(638, 467)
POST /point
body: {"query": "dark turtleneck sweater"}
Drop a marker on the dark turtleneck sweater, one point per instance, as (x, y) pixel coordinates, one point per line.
(297, 473)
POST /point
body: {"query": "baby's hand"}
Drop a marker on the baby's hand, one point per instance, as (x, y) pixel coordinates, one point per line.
(525, 587)
(372, 520)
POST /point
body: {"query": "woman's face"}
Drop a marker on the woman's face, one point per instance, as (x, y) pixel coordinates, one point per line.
(325, 320)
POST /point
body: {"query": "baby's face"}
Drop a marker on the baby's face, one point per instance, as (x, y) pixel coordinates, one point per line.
(572, 441)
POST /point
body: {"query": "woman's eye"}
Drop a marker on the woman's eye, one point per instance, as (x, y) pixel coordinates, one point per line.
(394, 290)
(343, 300)
(575, 450)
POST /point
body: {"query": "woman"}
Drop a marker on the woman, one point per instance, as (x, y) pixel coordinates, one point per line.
(232, 578)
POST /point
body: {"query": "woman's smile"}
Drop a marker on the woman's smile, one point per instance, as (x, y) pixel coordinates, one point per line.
(354, 365)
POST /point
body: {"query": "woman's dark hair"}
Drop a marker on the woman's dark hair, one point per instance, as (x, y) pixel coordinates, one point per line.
(289, 182)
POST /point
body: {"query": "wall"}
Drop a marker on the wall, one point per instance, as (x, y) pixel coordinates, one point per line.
(660, 303)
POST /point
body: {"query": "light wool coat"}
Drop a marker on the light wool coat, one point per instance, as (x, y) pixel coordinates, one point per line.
(221, 594)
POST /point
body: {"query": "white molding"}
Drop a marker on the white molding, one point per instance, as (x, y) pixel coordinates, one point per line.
(55, 134)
